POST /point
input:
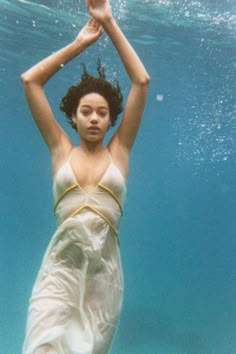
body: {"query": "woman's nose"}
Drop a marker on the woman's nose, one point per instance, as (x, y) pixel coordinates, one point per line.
(94, 117)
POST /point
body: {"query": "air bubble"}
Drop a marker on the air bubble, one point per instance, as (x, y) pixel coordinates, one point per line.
(159, 98)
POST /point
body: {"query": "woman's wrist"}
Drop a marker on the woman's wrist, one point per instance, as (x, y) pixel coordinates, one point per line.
(107, 22)
(78, 46)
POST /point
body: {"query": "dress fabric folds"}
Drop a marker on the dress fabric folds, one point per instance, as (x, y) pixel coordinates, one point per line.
(77, 296)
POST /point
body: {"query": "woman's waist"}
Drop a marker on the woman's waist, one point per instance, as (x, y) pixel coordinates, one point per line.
(111, 215)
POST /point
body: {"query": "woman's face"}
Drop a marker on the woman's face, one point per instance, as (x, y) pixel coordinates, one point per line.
(92, 117)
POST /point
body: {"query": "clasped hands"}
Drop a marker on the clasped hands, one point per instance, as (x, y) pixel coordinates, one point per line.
(100, 11)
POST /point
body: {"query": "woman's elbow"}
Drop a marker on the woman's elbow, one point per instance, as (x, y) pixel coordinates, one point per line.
(25, 78)
(147, 80)
(144, 80)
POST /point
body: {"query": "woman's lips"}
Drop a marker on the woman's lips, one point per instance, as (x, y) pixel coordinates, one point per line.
(93, 129)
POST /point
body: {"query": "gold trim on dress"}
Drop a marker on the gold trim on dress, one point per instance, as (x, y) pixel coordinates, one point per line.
(77, 185)
(77, 211)
(112, 194)
(64, 193)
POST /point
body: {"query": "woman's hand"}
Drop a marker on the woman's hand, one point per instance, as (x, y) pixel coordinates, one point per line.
(89, 33)
(100, 10)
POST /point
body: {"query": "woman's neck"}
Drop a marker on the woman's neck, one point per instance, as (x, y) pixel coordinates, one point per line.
(91, 148)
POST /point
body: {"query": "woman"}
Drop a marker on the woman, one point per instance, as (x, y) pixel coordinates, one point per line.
(77, 296)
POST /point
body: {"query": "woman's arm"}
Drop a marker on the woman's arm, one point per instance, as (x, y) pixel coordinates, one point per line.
(126, 133)
(36, 77)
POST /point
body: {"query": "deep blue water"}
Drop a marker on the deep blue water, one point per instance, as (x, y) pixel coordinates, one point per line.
(178, 235)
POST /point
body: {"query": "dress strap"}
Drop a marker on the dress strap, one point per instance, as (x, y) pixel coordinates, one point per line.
(69, 156)
(110, 157)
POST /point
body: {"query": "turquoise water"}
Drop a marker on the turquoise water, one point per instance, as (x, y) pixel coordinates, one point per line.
(178, 234)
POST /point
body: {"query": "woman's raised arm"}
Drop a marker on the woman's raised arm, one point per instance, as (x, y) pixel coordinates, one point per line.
(126, 133)
(35, 78)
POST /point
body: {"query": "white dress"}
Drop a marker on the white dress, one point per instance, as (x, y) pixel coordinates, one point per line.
(77, 297)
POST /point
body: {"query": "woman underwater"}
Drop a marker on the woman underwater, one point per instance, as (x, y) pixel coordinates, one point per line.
(77, 297)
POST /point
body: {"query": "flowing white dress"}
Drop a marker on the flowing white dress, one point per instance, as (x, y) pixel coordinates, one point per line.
(77, 297)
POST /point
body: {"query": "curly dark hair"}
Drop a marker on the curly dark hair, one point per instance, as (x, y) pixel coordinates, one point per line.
(90, 84)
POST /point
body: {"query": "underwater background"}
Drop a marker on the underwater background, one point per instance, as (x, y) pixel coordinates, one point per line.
(178, 234)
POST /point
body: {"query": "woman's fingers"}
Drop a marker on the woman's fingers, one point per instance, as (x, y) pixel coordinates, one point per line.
(91, 31)
(93, 24)
(89, 3)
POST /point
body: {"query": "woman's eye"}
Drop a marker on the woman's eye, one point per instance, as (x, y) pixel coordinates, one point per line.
(103, 114)
(85, 113)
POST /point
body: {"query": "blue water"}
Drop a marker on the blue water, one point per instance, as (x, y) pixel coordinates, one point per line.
(178, 234)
